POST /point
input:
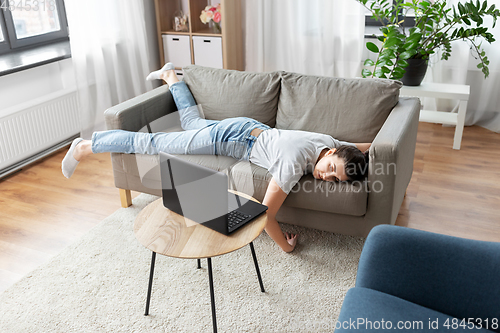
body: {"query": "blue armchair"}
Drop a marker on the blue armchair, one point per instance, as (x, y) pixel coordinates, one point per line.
(412, 280)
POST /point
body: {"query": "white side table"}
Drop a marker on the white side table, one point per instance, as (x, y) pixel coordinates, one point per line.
(448, 91)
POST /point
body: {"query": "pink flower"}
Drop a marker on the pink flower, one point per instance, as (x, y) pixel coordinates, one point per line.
(213, 9)
(209, 15)
(217, 17)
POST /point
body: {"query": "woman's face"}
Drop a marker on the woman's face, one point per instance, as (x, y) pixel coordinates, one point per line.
(330, 168)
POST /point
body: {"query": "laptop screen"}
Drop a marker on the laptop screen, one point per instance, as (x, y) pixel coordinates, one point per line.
(191, 190)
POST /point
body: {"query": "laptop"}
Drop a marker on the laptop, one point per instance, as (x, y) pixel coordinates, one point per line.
(201, 194)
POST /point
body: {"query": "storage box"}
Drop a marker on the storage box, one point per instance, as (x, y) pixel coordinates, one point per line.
(207, 51)
(180, 74)
(177, 50)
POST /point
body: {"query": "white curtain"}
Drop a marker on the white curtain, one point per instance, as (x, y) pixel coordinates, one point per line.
(110, 54)
(317, 37)
(483, 108)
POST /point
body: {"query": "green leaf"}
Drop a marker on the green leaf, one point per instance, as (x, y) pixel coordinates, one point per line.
(391, 42)
(480, 65)
(387, 54)
(385, 62)
(411, 46)
(402, 63)
(385, 70)
(485, 5)
(473, 8)
(369, 62)
(414, 37)
(399, 72)
(424, 4)
(405, 55)
(380, 74)
(461, 9)
(365, 73)
(372, 47)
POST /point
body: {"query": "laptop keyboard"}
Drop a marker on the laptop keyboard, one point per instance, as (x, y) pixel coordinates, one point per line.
(235, 219)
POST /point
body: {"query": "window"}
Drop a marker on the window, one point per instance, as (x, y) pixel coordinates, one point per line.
(30, 23)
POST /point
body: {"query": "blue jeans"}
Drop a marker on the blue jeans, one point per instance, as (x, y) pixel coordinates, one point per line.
(228, 137)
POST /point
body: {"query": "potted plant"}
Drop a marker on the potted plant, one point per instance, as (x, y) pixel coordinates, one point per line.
(435, 27)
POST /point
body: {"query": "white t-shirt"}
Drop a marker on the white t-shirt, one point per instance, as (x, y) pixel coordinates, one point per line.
(290, 154)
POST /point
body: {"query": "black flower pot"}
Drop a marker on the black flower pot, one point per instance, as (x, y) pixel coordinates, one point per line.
(415, 72)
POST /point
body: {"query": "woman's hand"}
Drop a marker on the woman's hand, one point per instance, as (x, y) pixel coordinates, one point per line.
(291, 239)
(273, 199)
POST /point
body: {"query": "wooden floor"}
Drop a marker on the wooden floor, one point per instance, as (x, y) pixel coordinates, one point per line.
(451, 192)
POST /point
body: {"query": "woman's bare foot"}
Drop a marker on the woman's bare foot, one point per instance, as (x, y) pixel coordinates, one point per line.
(169, 76)
(291, 239)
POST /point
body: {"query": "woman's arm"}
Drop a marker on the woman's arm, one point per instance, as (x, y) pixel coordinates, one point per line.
(363, 146)
(273, 199)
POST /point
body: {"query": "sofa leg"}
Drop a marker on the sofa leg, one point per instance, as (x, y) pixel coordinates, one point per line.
(125, 198)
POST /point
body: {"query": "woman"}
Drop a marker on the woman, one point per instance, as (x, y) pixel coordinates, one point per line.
(287, 154)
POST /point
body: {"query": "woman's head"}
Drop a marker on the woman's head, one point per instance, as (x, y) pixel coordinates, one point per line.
(342, 164)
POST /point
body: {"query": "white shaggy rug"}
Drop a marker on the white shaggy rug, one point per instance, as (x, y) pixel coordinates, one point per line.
(99, 284)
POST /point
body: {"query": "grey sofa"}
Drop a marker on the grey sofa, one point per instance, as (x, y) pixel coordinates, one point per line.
(355, 110)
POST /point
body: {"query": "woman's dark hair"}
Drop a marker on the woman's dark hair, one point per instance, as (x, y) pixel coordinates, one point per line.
(355, 162)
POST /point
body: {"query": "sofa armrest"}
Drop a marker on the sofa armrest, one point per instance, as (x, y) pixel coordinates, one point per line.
(139, 112)
(455, 276)
(391, 161)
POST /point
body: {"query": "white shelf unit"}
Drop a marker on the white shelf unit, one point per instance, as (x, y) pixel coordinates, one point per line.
(447, 91)
(223, 50)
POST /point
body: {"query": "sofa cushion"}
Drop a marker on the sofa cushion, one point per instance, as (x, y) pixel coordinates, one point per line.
(308, 193)
(229, 93)
(364, 310)
(352, 110)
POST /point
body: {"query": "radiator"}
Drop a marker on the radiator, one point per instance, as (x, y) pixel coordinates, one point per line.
(37, 128)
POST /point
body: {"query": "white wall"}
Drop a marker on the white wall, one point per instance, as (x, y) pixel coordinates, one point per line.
(30, 84)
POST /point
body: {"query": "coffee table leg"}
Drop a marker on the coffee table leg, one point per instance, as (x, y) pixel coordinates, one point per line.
(212, 297)
(199, 263)
(257, 267)
(150, 282)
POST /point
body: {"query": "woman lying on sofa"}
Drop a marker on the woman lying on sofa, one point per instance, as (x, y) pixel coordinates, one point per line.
(286, 154)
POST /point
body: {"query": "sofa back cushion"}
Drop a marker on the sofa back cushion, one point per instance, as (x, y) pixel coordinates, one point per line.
(228, 93)
(352, 110)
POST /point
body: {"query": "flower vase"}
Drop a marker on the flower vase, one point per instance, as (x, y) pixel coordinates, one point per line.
(216, 28)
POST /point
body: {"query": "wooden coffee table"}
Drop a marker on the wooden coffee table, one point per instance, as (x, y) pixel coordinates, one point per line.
(165, 232)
